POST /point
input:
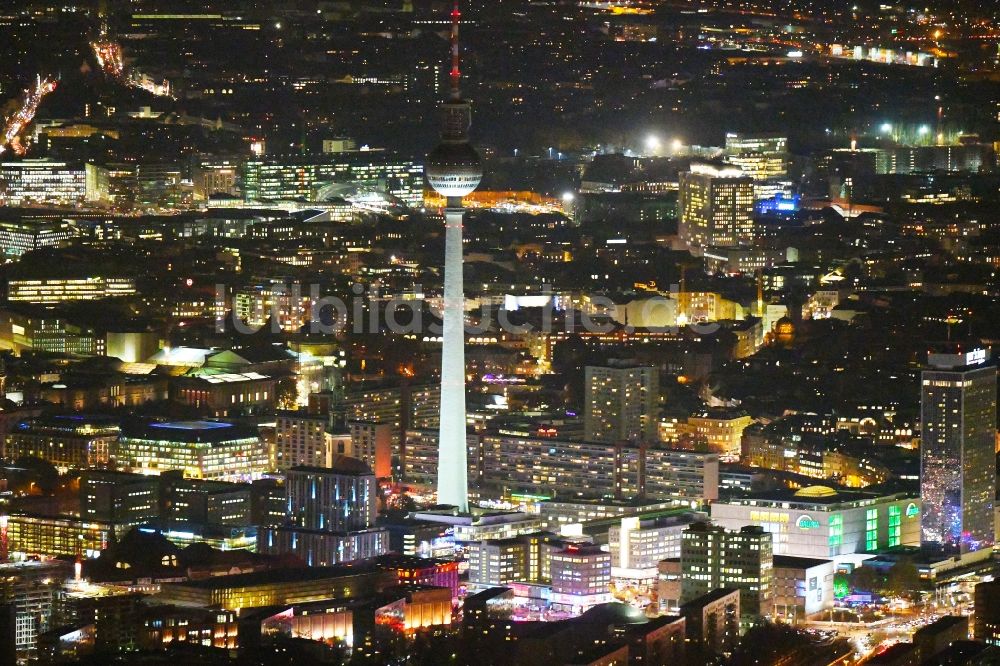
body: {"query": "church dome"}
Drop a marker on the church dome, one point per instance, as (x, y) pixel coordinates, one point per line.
(816, 492)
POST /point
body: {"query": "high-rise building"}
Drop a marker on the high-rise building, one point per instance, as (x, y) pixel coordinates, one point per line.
(300, 439)
(454, 171)
(402, 408)
(581, 577)
(987, 615)
(33, 588)
(330, 515)
(712, 622)
(621, 404)
(639, 543)
(767, 144)
(713, 557)
(372, 443)
(763, 157)
(337, 498)
(525, 559)
(511, 465)
(958, 401)
(716, 206)
(8, 634)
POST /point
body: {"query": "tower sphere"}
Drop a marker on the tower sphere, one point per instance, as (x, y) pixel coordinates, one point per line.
(454, 169)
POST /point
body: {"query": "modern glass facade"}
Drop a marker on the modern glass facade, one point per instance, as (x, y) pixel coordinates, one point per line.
(296, 178)
(819, 522)
(957, 455)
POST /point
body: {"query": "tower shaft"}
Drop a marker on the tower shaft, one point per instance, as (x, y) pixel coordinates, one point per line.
(453, 170)
(452, 479)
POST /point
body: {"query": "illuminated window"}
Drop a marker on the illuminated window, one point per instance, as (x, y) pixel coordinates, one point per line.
(895, 521)
(871, 530)
(836, 533)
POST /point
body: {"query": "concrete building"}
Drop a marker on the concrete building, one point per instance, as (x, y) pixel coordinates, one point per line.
(279, 587)
(802, 587)
(958, 401)
(220, 393)
(713, 558)
(712, 623)
(60, 290)
(120, 498)
(26, 327)
(26, 234)
(581, 577)
(454, 170)
(638, 544)
(373, 444)
(557, 513)
(521, 559)
(621, 404)
(33, 588)
(820, 522)
(987, 613)
(300, 439)
(67, 442)
(298, 178)
(46, 536)
(42, 181)
(504, 465)
(337, 498)
(330, 515)
(716, 207)
(202, 449)
(936, 637)
(721, 429)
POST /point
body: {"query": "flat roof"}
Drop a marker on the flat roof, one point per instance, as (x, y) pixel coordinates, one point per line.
(709, 597)
(819, 495)
(192, 425)
(286, 575)
(792, 562)
(225, 377)
(188, 432)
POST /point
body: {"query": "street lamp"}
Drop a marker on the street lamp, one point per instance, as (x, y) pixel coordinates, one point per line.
(652, 143)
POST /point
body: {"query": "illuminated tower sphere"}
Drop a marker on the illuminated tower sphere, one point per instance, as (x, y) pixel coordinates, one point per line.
(453, 170)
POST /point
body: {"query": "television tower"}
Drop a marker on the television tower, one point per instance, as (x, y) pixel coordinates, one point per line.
(454, 171)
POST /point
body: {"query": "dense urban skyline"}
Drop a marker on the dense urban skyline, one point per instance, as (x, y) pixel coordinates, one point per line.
(499, 332)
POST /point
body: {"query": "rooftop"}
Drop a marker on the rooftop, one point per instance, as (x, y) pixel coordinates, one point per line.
(790, 562)
(188, 432)
(215, 377)
(287, 575)
(816, 496)
(344, 466)
(708, 598)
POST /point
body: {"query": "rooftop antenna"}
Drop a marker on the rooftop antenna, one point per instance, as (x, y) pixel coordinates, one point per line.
(456, 73)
